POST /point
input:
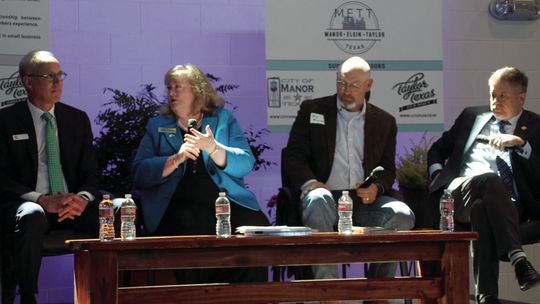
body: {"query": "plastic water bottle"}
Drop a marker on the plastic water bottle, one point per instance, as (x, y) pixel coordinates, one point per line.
(345, 209)
(446, 207)
(223, 216)
(106, 219)
(128, 212)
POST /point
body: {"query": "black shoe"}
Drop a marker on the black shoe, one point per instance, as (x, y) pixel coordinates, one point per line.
(526, 275)
(487, 299)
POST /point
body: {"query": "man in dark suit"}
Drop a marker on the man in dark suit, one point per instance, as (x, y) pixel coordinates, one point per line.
(489, 159)
(48, 168)
(334, 144)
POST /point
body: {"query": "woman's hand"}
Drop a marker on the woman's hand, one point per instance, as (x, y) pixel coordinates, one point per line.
(187, 150)
(205, 142)
(208, 143)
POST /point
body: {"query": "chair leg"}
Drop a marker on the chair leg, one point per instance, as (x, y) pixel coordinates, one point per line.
(406, 271)
(151, 277)
(344, 270)
(428, 269)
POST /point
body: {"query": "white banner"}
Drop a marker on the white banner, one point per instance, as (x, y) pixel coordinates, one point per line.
(306, 40)
(24, 26)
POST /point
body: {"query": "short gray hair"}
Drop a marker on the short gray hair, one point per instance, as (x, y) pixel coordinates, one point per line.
(353, 63)
(34, 58)
(513, 76)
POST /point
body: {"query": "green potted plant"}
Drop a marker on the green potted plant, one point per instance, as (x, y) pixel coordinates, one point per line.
(413, 179)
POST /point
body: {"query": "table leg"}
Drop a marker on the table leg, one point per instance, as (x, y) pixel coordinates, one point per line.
(455, 266)
(96, 279)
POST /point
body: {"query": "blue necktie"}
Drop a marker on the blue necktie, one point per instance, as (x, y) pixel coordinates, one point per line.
(503, 165)
(54, 166)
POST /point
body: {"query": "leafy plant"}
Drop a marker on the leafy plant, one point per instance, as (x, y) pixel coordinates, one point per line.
(123, 125)
(258, 147)
(411, 171)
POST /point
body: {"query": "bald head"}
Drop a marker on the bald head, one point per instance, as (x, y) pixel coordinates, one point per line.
(354, 63)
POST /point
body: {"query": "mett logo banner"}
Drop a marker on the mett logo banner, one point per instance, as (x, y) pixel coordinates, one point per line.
(354, 28)
(306, 40)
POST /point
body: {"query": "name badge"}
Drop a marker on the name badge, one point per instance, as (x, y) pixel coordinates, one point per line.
(316, 118)
(167, 130)
(20, 137)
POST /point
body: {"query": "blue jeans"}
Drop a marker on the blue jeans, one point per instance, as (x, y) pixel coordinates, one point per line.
(319, 211)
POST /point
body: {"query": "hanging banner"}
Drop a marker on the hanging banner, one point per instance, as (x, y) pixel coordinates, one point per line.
(24, 26)
(306, 40)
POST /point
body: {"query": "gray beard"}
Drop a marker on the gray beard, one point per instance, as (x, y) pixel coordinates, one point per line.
(348, 106)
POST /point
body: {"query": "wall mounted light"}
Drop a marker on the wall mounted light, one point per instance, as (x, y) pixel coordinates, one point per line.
(515, 9)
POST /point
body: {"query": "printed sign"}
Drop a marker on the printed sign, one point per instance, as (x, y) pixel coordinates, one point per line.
(405, 55)
(11, 88)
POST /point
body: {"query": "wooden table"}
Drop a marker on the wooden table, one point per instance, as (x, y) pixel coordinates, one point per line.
(97, 265)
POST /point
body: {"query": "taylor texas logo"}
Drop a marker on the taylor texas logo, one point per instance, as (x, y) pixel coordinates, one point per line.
(415, 92)
(354, 28)
(11, 90)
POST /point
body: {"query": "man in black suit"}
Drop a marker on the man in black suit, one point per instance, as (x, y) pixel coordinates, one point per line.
(490, 161)
(32, 201)
(334, 144)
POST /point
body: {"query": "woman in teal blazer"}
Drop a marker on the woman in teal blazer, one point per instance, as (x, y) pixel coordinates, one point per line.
(179, 171)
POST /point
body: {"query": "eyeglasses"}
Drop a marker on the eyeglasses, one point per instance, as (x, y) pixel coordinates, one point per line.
(51, 76)
(344, 85)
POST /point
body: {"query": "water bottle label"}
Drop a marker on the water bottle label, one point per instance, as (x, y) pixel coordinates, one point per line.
(128, 211)
(342, 207)
(106, 212)
(222, 209)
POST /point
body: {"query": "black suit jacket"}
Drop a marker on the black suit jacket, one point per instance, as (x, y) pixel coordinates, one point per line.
(18, 158)
(455, 144)
(310, 151)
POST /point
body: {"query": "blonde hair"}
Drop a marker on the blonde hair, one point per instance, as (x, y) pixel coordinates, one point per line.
(206, 97)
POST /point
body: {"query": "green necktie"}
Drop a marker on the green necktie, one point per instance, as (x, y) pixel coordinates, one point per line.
(56, 177)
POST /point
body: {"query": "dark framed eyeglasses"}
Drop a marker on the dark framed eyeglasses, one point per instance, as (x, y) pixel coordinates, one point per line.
(51, 76)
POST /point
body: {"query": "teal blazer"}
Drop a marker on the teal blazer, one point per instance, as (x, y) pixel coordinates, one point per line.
(164, 138)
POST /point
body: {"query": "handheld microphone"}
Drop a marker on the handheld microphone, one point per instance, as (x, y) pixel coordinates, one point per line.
(484, 139)
(192, 124)
(372, 177)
